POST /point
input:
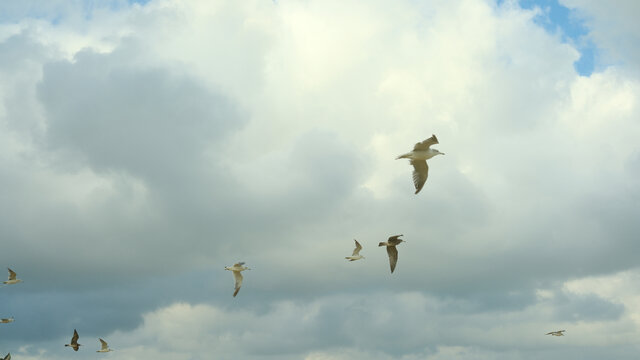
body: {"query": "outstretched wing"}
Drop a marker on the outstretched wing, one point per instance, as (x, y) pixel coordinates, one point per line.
(8, 357)
(12, 274)
(238, 264)
(104, 344)
(238, 277)
(393, 257)
(425, 144)
(394, 240)
(356, 251)
(420, 173)
(74, 339)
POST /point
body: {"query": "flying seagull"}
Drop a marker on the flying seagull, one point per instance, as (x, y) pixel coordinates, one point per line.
(6, 321)
(418, 158)
(12, 278)
(237, 268)
(8, 357)
(74, 341)
(556, 333)
(105, 347)
(391, 250)
(356, 252)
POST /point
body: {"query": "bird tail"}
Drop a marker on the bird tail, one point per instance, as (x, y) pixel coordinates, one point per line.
(403, 156)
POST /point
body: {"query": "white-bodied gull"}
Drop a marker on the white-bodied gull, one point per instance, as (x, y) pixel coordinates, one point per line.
(104, 348)
(391, 250)
(418, 157)
(356, 252)
(12, 278)
(236, 269)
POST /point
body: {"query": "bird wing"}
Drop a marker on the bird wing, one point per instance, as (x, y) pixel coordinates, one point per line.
(74, 339)
(238, 264)
(420, 173)
(104, 344)
(8, 357)
(393, 257)
(238, 276)
(393, 240)
(356, 251)
(12, 274)
(425, 144)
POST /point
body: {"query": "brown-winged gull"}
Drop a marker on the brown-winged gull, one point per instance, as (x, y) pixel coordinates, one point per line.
(12, 278)
(391, 250)
(74, 341)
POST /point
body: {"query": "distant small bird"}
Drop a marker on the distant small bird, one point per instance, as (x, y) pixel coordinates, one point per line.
(556, 333)
(8, 357)
(418, 158)
(74, 341)
(12, 278)
(356, 252)
(6, 321)
(236, 269)
(391, 250)
(105, 347)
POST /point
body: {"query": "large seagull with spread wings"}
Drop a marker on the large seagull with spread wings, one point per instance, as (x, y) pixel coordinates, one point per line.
(418, 157)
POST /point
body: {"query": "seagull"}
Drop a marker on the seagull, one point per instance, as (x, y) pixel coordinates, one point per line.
(391, 250)
(237, 268)
(356, 252)
(105, 347)
(74, 341)
(556, 333)
(8, 357)
(6, 321)
(12, 278)
(418, 158)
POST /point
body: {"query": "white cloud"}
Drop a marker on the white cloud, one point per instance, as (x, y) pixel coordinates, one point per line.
(178, 137)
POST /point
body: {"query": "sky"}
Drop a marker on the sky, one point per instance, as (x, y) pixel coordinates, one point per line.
(146, 145)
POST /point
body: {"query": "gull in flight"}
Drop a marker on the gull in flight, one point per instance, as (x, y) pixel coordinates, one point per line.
(105, 347)
(391, 250)
(556, 333)
(236, 269)
(12, 278)
(6, 321)
(74, 341)
(356, 252)
(8, 357)
(418, 158)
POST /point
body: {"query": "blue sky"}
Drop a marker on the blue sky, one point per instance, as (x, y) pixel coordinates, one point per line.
(144, 148)
(558, 19)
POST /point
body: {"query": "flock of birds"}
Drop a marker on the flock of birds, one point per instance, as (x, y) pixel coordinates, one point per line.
(418, 157)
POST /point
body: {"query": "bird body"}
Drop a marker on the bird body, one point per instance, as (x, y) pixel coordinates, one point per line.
(237, 268)
(391, 250)
(104, 348)
(12, 278)
(74, 341)
(356, 252)
(556, 333)
(418, 157)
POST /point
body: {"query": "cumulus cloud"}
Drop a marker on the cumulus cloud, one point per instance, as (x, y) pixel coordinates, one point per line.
(145, 147)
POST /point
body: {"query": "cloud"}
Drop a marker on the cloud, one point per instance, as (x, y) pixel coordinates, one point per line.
(145, 147)
(613, 29)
